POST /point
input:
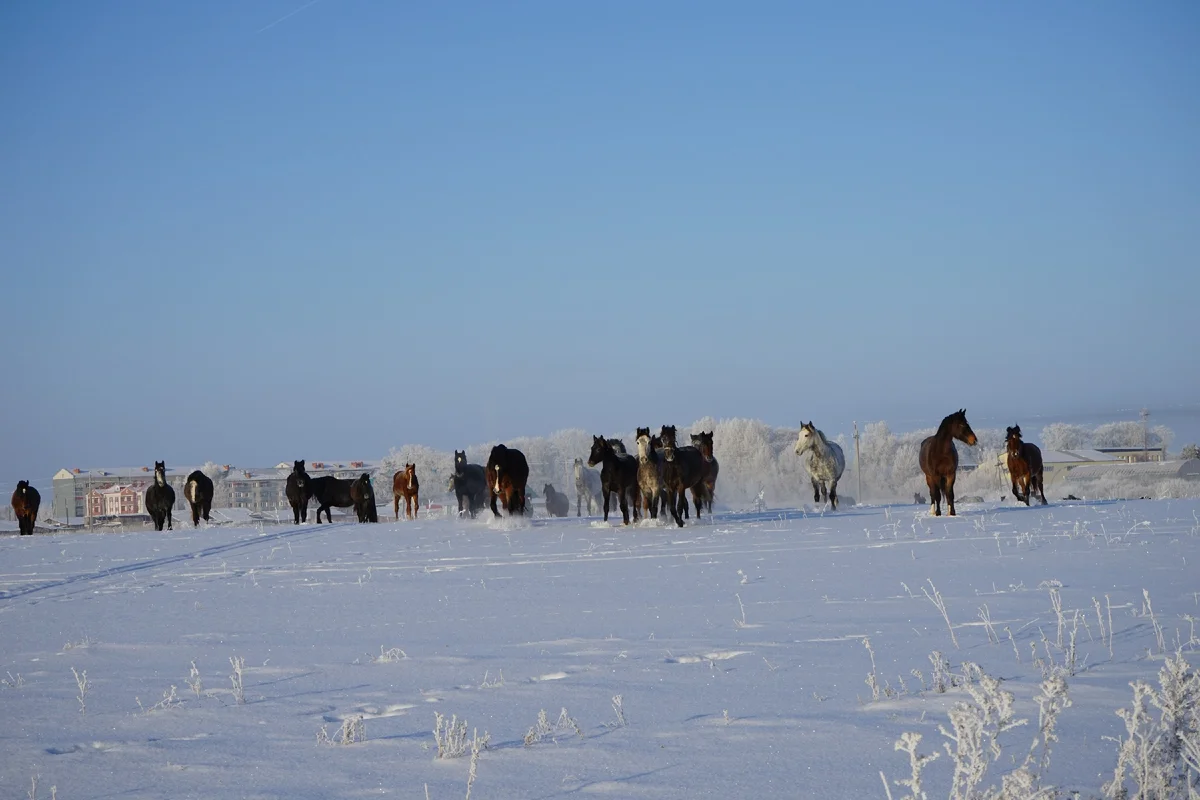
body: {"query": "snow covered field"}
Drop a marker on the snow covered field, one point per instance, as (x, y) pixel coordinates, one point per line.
(736, 647)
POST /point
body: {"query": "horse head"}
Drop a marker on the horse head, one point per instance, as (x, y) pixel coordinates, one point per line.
(668, 442)
(298, 467)
(806, 437)
(160, 472)
(548, 490)
(645, 444)
(460, 461)
(1012, 439)
(961, 429)
(600, 449)
(410, 472)
(704, 443)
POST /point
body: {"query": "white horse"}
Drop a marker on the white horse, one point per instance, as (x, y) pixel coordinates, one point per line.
(587, 488)
(825, 463)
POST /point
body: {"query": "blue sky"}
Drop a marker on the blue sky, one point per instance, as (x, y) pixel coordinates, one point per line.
(239, 235)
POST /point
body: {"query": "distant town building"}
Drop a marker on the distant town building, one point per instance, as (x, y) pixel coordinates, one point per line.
(116, 501)
(1134, 455)
(83, 494)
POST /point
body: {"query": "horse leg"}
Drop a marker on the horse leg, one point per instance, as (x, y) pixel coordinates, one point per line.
(1026, 484)
(578, 504)
(170, 522)
(1015, 491)
(935, 497)
(1041, 488)
(607, 495)
(698, 499)
(493, 496)
(623, 499)
(833, 494)
(816, 490)
(948, 490)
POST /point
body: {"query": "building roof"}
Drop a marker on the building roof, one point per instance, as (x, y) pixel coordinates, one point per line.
(1142, 470)
(1075, 456)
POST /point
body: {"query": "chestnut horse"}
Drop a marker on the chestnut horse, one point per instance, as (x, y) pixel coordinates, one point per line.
(1024, 466)
(507, 472)
(939, 459)
(25, 503)
(406, 485)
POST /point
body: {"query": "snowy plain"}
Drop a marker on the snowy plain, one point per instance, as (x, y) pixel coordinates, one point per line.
(736, 646)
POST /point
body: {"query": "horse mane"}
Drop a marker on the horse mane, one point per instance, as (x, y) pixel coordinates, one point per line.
(944, 427)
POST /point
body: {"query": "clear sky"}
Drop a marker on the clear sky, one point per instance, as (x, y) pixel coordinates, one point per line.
(257, 231)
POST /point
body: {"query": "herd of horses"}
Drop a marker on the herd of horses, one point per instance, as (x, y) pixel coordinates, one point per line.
(655, 480)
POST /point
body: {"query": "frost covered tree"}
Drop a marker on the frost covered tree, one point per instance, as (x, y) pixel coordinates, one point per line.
(1190, 451)
(1132, 434)
(1062, 436)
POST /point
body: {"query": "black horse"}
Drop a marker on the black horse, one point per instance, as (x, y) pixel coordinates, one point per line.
(199, 493)
(619, 474)
(363, 495)
(469, 484)
(329, 491)
(507, 474)
(683, 470)
(160, 498)
(299, 492)
(25, 503)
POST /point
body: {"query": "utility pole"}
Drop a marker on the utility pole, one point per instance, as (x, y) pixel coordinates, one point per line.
(1145, 414)
(857, 465)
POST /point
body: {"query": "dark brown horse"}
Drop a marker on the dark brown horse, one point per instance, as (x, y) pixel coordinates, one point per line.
(557, 503)
(329, 491)
(199, 493)
(939, 459)
(507, 473)
(704, 443)
(683, 469)
(25, 503)
(362, 493)
(160, 498)
(619, 475)
(406, 485)
(1024, 466)
(298, 491)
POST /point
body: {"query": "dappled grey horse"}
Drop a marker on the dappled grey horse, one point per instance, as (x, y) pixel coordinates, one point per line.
(825, 463)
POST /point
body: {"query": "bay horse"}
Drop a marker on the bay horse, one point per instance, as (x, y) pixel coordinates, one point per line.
(469, 484)
(683, 470)
(939, 459)
(557, 503)
(299, 492)
(198, 491)
(618, 475)
(704, 443)
(363, 495)
(160, 498)
(25, 503)
(587, 487)
(507, 473)
(329, 491)
(649, 473)
(825, 463)
(406, 485)
(1024, 466)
